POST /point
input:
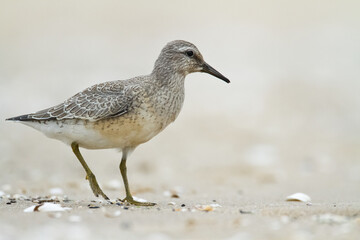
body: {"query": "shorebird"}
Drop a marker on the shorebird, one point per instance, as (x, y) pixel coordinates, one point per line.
(123, 114)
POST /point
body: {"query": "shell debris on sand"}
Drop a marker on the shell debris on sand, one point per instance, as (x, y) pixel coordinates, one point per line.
(47, 207)
(208, 208)
(171, 194)
(298, 197)
(139, 199)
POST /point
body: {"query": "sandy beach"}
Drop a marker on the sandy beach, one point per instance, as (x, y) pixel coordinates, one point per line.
(287, 123)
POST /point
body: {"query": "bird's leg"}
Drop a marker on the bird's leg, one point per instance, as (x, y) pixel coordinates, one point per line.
(89, 174)
(129, 197)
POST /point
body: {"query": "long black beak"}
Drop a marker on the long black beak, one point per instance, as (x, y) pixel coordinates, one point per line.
(210, 70)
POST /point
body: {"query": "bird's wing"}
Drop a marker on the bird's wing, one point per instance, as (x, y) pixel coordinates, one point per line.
(100, 101)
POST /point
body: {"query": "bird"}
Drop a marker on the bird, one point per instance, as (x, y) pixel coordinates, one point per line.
(123, 114)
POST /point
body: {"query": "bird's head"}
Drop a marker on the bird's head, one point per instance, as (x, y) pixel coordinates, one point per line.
(183, 57)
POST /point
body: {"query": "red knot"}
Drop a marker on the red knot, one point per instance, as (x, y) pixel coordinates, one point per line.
(125, 113)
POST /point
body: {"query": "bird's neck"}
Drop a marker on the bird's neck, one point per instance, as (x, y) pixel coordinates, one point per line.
(168, 78)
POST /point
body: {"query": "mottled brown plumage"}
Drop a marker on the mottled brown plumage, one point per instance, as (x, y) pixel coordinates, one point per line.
(125, 113)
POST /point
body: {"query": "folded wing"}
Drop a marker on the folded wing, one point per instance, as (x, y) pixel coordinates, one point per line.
(100, 101)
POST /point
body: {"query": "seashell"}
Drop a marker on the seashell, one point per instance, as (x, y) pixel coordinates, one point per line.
(46, 207)
(54, 214)
(300, 197)
(139, 199)
(205, 208)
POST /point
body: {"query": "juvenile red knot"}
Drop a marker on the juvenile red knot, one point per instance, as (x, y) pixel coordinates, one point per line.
(125, 113)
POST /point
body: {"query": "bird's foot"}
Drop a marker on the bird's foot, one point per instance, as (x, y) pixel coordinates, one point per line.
(130, 200)
(95, 186)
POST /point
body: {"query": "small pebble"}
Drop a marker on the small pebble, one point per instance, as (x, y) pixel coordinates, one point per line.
(245, 212)
(11, 201)
(183, 205)
(92, 206)
(174, 195)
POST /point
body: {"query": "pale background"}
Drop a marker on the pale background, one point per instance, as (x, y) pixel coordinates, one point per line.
(289, 121)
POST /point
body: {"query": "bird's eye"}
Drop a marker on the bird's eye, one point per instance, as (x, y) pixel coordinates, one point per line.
(189, 53)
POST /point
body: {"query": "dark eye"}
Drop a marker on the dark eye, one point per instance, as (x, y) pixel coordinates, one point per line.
(189, 53)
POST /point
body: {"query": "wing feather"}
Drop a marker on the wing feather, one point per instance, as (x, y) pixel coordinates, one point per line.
(100, 101)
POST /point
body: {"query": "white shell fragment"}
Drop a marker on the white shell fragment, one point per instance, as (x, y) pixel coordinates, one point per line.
(299, 197)
(207, 208)
(139, 199)
(46, 207)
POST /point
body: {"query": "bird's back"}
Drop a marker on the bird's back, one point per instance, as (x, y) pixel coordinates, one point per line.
(114, 114)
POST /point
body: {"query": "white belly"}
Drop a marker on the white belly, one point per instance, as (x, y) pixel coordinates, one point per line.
(113, 133)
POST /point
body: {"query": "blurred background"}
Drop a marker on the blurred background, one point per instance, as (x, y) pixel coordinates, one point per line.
(289, 121)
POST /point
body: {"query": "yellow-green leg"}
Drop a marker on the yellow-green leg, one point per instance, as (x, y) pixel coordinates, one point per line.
(89, 175)
(129, 197)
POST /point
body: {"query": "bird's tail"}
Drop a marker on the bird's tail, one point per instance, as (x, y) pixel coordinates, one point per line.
(26, 117)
